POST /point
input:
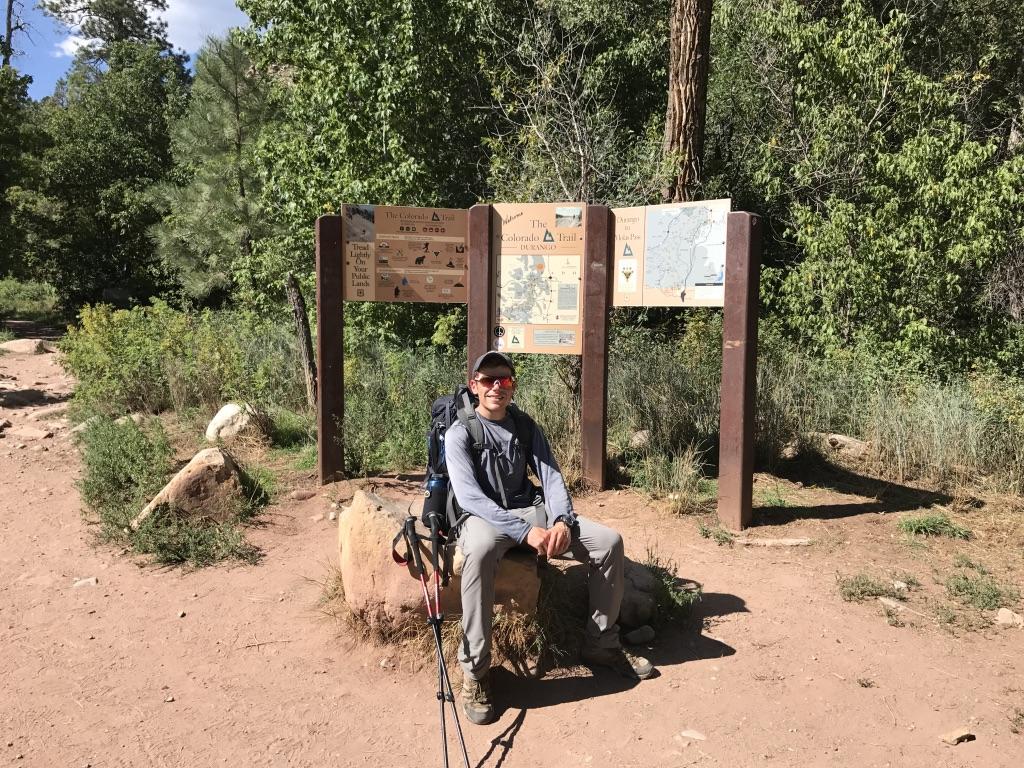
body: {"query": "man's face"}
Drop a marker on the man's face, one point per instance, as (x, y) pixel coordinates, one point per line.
(494, 386)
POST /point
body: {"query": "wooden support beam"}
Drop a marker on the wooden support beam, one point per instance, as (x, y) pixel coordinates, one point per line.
(330, 350)
(597, 301)
(739, 370)
(479, 293)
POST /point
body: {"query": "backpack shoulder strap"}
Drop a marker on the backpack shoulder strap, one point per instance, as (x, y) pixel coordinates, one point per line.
(466, 414)
(525, 425)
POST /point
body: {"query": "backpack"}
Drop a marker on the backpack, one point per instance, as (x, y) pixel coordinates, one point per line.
(440, 502)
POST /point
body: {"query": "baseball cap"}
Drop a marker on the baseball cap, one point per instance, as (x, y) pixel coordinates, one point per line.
(494, 358)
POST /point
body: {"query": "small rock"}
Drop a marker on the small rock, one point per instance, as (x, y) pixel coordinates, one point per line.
(168, 699)
(40, 448)
(92, 581)
(316, 518)
(134, 418)
(1007, 618)
(694, 735)
(640, 635)
(301, 494)
(30, 433)
(957, 736)
(4, 424)
(640, 439)
(901, 586)
(19, 446)
(181, 614)
(386, 663)
(333, 515)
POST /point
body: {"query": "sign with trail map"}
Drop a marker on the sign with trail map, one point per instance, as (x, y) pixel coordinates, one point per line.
(404, 254)
(670, 255)
(538, 291)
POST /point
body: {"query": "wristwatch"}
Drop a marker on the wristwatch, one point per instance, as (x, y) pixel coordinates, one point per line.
(569, 522)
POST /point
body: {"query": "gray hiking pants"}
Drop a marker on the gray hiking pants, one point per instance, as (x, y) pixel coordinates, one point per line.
(483, 546)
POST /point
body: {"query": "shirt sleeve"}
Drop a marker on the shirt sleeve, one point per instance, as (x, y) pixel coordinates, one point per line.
(458, 451)
(556, 495)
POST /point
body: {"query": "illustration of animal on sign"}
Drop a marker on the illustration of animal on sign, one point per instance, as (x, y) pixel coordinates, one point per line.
(419, 259)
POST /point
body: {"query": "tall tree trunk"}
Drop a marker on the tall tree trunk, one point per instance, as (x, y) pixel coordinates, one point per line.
(689, 55)
(7, 48)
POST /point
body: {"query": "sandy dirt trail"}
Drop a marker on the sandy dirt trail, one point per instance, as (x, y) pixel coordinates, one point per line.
(254, 675)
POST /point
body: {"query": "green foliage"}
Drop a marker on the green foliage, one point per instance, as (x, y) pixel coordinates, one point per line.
(211, 210)
(721, 536)
(109, 127)
(861, 587)
(981, 592)
(674, 598)
(17, 139)
(124, 465)
(155, 358)
(892, 211)
(377, 99)
(933, 525)
(105, 22)
(173, 539)
(26, 299)
(388, 393)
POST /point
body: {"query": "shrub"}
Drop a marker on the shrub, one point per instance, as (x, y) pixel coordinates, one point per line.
(862, 587)
(125, 465)
(980, 591)
(156, 358)
(29, 300)
(933, 525)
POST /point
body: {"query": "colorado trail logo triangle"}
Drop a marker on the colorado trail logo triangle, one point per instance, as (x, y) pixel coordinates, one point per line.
(627, 251)
(435, 217)
(547, 237)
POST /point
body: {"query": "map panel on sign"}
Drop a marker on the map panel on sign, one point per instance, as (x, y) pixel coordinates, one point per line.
(536, 289)
(395, 253)
(538, 285)
(684, 254)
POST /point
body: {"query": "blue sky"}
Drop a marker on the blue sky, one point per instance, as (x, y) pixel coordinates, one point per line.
(45, 52)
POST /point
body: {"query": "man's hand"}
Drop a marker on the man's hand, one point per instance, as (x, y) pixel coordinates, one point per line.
(538, 539)
(559, 538)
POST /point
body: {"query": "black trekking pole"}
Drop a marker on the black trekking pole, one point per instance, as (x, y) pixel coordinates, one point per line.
(435, 618)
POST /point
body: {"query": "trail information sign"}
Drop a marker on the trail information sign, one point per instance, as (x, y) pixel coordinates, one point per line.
(404, 254)
(538, 289)
(670, 255)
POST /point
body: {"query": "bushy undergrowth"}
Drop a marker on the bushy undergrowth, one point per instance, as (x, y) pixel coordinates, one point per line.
(663, 398)
(125, 465)
(26, 299)
(156, 358)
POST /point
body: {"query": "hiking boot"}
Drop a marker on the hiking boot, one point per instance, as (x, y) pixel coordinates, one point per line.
(626, 664)
(476, 700)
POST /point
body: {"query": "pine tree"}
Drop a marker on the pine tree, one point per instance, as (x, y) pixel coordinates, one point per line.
(211, 219)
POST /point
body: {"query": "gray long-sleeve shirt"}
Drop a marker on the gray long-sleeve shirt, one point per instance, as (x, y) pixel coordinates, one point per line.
(477, 491)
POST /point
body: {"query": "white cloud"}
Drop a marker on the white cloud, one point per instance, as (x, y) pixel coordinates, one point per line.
(69, 46)
(190, 22)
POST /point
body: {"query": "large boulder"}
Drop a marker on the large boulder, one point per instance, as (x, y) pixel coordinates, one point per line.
(387, 595)
(228, 422)
(209, 486)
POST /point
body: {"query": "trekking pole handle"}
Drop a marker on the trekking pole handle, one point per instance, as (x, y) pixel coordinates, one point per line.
(414, 542)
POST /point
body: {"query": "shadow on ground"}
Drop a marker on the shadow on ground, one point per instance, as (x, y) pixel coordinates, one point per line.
(24, 398)
(885, 496)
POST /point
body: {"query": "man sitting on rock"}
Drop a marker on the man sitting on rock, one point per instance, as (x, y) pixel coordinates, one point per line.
(505, 511)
